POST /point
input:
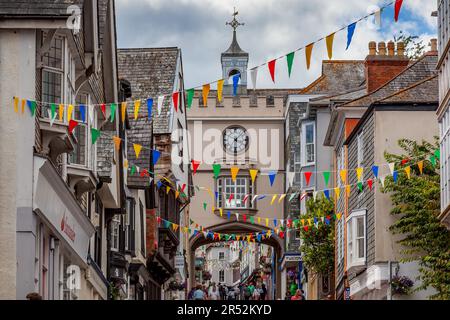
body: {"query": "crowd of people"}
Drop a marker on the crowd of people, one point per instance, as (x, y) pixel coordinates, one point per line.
(222, 292)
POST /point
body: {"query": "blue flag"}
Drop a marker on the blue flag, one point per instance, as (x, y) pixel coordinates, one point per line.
(272, 175)
(275, 222)
(229, 215)
(149, 108)
(83, 112)
(375, 171)
(217, 195)
(327, 194)
(395, 175)
(235, 83)
(155, 154)
(350, 32)
(159, 184)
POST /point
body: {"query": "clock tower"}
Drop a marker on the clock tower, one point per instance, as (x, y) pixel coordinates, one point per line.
(234, 60)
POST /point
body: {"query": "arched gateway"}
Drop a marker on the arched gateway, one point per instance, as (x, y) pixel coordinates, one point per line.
(237, 228)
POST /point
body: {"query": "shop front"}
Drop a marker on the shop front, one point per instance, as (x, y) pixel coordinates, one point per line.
(291, 275)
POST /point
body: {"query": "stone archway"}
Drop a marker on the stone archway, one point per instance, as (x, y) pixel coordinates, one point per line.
(236, 227)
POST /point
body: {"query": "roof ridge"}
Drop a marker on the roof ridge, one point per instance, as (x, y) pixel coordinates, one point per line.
(416, 84)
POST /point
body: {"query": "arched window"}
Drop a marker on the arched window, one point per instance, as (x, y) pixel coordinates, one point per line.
(233, 72)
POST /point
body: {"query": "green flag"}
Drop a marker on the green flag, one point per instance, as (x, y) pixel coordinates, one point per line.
(252, 220)
(437, 154)
(133, 170)
(53, 108)
(113, 111)
(326, 177)
(360, 186)
(290, 60)
(190, 97)
(216, 169)
(94, 135)
(32, 106)
(204, 205)
(433, 160)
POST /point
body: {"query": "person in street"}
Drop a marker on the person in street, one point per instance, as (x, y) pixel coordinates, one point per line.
(199, 294)
(34, 296)
(298, 295)
(214, 292)
(251, 288)
(191, 293)
(247, 292)
(231, 294)
(263, 292)
(288, 295)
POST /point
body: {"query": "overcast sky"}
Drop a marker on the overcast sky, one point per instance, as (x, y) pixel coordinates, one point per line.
(272, 28)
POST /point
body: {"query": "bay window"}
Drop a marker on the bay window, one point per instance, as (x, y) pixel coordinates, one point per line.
(239, 188)
(356, 239)
(52, 74)
(308, 143)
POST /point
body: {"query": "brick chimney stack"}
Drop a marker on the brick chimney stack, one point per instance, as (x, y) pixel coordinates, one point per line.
(433, 48)
(383, 64)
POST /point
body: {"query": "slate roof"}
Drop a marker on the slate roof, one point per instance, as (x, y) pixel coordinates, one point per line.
(34, 8)
(338, 76)
(151, 73)
(234, 48)
(422, 92)
(421, 69)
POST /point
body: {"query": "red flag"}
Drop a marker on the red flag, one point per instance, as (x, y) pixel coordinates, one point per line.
(72, 125)
(398, 6)
(281, 234)
(103, 108)
(158, 219)
(175, 100)
(305, 228)
(244, 217)
(231, 198)
(308, 177)
(370, 183)
(183, 186)
(144, 173)
(271, 65)
(405, 161)
(195, 165)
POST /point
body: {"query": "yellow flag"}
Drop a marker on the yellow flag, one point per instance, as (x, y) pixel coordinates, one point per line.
(329, 41)
(206, 88)
(61, 112)
(303, 222)
(309, 221)
(167, 189)
(137, 105)
(269, 233)
(348, 190)
(408, 172)
(253, 173)
(213, 209)
(219, 89)
(123, 110)
(117, 142)
(125, 163)
(221, 212)
(337, 192)
(234, 172)
(24, 102)
(420, 165)
(259, 219)
(281, 198)
(343, 174)
(174, 226)
(137, 149)
(69, 112)
(308, 52)
(338, 216)
(359, 172)
(267, 222)
(273, 199)
(16, 104)
(177, 193)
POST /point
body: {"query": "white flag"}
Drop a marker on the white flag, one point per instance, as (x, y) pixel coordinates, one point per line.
(50, 117)
(254, 198)
(91, 113)
(254, 74)
(382, 180)
(160, 104)
(392, 167)
(377, 17)
(291, 176)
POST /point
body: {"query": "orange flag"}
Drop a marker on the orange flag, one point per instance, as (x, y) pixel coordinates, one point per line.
(61, 112)
(16, 104)
(329, 41)
(343, 174)
(408, 172)
(348, 190)
(117, 141)
(234, 172)
(308, 52)
(124, 110)
(69, 112)
(205, 93)
(219, 89)
(253, 173)
(420, 165)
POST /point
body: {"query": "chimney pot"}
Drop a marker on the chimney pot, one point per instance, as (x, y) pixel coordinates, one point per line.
(401, 49)
(433, 44)
(372, 48)
(391, 48)
(382, 48)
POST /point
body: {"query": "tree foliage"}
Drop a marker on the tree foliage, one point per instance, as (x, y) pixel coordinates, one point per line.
(318, 243)
(416, 202)
(414, 47)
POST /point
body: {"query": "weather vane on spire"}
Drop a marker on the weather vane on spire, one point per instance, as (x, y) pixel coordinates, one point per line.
(234, 23)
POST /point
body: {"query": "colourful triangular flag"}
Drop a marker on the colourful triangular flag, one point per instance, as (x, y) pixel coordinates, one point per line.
(326, 177)
(195, 165)
(175, 99)
(329, 40)
(137, 149)
(117, 141)
(408, 171)
(72, 125)
(307, 177)
(350, 32)
(137, 105)
(234, 171)
(113, 111)
(398, 6)
(94, 135)
(359, 172)
(160, 104)
(149, 108)
(343, 175)
(290, 60)
(308, 53)
(420, 165)
(155, 156)
(271, 66)
(272, 175)
(189, 97)
(219, 90)
(123, 111)
(253, 173)
(375, 171)
(205, 93)
(216, 169)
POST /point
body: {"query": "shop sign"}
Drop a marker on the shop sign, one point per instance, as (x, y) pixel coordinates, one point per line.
(179, 262)
(67, 229)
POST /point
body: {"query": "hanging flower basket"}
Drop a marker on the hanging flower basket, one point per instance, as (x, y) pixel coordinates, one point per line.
(401, 285)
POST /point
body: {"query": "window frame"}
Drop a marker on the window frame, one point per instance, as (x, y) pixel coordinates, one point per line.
(360, 149)
(353, 259)
(115, 233)
(304, 148)
(222, 275)
(223, 196)
(221, 255)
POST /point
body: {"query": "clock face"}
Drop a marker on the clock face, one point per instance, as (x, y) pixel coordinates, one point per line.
(235, 139)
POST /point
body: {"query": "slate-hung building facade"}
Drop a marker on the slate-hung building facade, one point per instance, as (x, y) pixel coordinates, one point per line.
(60, 188)
(152, 72)
(360, 131)
(307, 118)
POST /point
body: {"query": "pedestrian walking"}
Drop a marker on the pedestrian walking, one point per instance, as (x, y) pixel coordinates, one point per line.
(199, 293)
(263, 291)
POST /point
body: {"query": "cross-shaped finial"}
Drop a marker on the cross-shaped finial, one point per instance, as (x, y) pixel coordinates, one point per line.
(234, 23)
